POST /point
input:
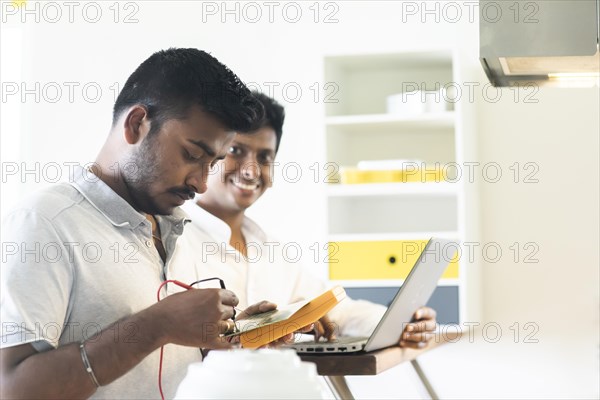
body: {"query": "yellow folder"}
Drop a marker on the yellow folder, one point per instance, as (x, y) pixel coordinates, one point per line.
(358, 176)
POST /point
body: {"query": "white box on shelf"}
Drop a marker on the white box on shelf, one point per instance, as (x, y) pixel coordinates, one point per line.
(382, 165)
(418, 102)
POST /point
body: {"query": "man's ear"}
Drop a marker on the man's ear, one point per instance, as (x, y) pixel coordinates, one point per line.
(136, 124)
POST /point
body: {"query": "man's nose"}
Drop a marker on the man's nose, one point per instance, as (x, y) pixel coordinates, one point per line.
(197, 180)
(250, 170)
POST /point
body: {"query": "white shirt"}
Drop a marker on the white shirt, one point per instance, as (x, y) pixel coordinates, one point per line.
(265, 274)
(79, 258)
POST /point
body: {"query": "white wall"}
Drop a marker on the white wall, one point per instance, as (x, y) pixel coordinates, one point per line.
(559, 133)
(557, 296)
(560, 213)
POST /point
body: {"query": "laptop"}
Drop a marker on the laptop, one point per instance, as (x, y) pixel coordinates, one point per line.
(414, 293)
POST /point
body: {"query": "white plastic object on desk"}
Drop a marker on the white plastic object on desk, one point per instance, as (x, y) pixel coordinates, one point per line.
(251, 374)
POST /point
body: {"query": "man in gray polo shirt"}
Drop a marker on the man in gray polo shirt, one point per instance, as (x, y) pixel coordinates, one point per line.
(84, 259)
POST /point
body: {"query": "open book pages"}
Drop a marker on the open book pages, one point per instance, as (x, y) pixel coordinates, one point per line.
(269, 317)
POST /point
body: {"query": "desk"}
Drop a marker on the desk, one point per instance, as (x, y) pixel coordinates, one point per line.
(336, 366)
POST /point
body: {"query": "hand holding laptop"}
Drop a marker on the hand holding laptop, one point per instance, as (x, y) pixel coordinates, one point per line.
(419, 333)
(416, 335)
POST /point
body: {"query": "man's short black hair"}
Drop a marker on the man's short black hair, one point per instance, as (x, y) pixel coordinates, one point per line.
(273, 117)
(170, 81)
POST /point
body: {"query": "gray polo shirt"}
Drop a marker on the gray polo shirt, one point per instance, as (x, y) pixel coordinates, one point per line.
(76, 257)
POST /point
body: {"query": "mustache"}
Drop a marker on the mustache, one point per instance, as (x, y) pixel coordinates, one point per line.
(184, 192)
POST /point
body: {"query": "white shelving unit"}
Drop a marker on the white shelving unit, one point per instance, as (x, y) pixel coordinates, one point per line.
(359, 128)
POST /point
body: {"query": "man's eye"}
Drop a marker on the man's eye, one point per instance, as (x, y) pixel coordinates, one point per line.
(266, 159)
(234, 150)
(192, 157)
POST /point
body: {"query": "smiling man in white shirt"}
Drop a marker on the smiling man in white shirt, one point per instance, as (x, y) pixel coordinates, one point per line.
(233, 247)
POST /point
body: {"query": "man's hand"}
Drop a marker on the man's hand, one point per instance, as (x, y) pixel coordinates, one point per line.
(418, 333)
(196, 317)
(325, 328)
(257, 308)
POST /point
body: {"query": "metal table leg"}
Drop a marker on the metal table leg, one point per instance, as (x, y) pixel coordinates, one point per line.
(339, 387)
(424, 380)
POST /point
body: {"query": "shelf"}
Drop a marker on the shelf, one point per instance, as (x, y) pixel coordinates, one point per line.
(442, 189)
(367, 237)
(365, 81)
(392, 214)
(440, 58)
(388, 121)
(359, 128)
(428, 137)
(376, 283)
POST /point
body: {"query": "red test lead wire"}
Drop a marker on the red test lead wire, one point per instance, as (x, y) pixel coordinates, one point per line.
(175, 282)
(183, 285)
